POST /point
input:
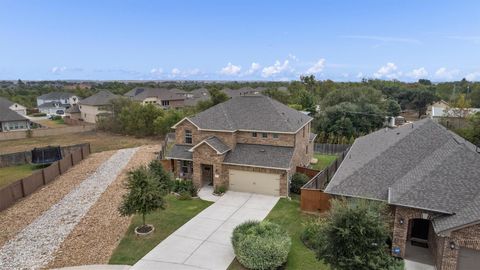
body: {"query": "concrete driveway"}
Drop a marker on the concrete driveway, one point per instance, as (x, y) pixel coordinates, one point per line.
(204, 241)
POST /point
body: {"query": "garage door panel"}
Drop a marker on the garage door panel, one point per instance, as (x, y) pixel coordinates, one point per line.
(468, 259)
(256, 182)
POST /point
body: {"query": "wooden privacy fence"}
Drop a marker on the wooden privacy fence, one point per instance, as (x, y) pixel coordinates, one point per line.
(26, 186)
(328, 148)
(312, 197)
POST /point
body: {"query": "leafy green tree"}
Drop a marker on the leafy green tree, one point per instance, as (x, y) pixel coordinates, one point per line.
(393, 108)
(422, 99)
(144, 194)
(354, 236)
(217, 96)
(163, 124)
(138, 119)
(163, 177)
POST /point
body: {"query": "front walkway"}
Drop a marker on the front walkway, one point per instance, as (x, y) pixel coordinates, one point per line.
(204, 241)
(418, 258)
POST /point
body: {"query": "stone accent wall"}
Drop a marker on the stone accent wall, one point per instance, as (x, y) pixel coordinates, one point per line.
(283, 175)
(282, 140)
(468, 237)
(204, 154)
(229, 138)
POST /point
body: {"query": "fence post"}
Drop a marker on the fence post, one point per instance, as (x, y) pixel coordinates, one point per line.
(71, 159)
(23, 188)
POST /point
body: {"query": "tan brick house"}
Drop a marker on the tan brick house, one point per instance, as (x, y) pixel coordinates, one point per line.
(430, 178)
(248, 143)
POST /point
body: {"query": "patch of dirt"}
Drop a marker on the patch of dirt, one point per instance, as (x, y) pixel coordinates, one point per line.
(99, 232)
(17, 217)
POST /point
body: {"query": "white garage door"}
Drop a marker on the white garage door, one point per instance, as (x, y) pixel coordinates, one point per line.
(468, 259)
(264, 183)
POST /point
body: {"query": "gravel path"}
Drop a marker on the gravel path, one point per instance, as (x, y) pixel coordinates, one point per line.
(18, 216)
(93, 240)
(35, 245)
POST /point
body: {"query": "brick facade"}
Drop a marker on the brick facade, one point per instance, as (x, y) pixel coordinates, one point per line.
(204, 154)
(444, 256)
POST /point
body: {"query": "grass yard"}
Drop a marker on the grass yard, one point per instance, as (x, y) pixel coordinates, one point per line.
(323, 161)
(9, 175)
(287, 214)
(132, 248)
(99, 141)
(51, 123)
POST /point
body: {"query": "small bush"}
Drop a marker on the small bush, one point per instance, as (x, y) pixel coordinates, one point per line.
(220, 189)
(56, 117)
(184, 196)
(39, 114)
(184, 185)
(298, 181)
(261, 245)
(310, 236)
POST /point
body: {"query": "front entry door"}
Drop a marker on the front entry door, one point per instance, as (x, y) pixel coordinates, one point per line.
(207, 174)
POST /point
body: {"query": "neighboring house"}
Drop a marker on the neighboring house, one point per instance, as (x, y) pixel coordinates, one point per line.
(248, 143)
(64, 98)
(162, 97)
(74, 112)
(442, 109)
(22, 110)
(430, 178)
(96, 106)
(53, 107)
(11, 120)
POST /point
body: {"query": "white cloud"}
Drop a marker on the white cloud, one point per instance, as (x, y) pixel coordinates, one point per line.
(317, 67)
(419, 73)
(58, 69)
(231, 69)
(156, 71)
(360, 75)
(176, 72)
(389, 71)
(254, 67)
(446, 74)
(293, 57)
(276, 68)
(474, 76)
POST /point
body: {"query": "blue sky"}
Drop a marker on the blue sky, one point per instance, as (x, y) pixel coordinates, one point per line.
(240, 40)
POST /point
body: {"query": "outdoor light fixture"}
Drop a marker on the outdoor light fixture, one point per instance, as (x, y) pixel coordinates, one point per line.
(452, 245)
(401, 221)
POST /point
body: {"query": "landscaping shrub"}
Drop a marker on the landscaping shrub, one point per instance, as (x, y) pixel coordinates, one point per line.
(298, 181)
(220, 189)
(56, 117)
(184, 196)
(184, 185)
(261, 245)
(39, 114)
(311, 235)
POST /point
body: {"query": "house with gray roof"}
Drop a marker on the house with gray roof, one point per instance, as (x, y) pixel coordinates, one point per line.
(162, 97)
(95, 106)
(430, 178)
(53, 101)
(249, 143)
(12, 116)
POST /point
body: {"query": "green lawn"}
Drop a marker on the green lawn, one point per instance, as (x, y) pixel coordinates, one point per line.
(287, 214)
(323, 161)
(132, 248)
(11, 174)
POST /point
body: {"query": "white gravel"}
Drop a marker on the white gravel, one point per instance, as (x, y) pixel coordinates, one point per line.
(35, 245)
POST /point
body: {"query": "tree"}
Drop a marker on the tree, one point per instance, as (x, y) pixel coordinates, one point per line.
(217, 96)
(163, 178)
(422, 99)
(144, 194)
(393, 109)
(163, 124)
(354, 236)
(460, 107)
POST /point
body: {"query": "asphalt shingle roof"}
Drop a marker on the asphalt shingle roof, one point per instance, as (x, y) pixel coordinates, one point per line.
(141, 93)
(420, 165)
(217, 144)
(53, 104)
(180, 151)
(101, 98)
(259, 113)
(7, 115)
(56, 95)
(260, 155)
(5, 102)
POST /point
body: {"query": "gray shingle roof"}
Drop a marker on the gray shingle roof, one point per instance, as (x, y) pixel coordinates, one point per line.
(420, 165)
(5, 102)
(141, 93)
(53, 104)
(257, 112)
(7, 115)
(180, 151)
(217, 144)
(101, 98)
(56, 95)
(260, 155)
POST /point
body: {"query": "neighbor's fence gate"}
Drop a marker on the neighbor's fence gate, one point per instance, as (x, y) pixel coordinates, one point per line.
(312, 197)
(26, 186)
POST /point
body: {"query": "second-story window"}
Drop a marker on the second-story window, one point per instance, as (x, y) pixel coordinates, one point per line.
(188, 136)
(275, 135)
(165, 102)
(264, 135)
(254, 134)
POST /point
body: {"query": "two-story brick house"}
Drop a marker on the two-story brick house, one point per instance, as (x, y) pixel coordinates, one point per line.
(248, 143)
